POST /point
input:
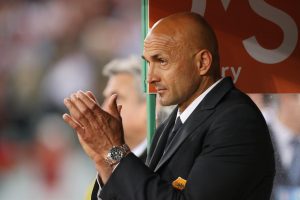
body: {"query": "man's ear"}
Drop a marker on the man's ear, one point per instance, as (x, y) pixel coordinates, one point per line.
(203, 61)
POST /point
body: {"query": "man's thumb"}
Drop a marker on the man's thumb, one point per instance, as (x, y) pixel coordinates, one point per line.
(111, 106)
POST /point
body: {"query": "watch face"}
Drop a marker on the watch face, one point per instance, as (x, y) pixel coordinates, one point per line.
(116, 153)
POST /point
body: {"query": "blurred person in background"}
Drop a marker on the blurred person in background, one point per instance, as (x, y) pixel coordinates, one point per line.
(124, 79)
(285, 130)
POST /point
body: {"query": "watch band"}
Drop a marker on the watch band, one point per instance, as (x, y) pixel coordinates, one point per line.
(116, 153)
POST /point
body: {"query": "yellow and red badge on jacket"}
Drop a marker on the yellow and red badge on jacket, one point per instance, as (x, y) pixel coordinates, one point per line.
(179, 183)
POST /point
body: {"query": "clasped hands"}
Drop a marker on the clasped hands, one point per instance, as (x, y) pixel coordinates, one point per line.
(98, 129)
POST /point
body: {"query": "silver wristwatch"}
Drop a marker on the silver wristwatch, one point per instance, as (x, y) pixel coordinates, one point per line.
(116, 153)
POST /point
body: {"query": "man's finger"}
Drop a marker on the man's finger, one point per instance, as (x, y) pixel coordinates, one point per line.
(83, 108)
(89, 101)
(91, 113)
(71, 104)
(119, 109)
(91, 95)
(111, 106)
(73, 124)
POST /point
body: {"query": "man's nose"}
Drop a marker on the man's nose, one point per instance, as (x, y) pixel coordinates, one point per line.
(152, 76)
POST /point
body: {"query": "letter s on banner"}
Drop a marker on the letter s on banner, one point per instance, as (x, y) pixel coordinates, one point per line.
(290, 35)
(199, 6)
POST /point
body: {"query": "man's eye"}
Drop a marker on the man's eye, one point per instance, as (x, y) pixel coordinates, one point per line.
(162, 61)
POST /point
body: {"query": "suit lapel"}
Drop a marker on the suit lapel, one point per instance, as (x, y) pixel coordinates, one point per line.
(188, 128)
(198, 117)
(159, 148)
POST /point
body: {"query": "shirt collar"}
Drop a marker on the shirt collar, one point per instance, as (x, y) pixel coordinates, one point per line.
(188, 111)
(139, 149)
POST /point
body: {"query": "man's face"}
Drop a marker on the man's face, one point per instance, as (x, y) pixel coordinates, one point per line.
(133, 108)
(171, 68)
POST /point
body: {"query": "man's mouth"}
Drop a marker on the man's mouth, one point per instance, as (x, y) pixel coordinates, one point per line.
(160, 90)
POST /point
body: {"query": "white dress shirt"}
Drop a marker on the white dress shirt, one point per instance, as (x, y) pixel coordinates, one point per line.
(188, 111)
(139, 150)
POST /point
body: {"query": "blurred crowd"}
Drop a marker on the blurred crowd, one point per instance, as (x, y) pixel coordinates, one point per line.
(51, 48)
(282, 113)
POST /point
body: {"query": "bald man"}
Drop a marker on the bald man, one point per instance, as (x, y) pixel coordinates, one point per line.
(214, 145)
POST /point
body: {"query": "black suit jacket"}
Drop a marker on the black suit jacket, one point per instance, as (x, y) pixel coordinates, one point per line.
(223, 150)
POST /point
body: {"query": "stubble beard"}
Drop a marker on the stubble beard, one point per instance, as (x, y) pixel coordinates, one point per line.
(165, 101)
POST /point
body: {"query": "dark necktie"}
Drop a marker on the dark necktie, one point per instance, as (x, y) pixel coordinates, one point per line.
(294, 169)
(171, 135)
